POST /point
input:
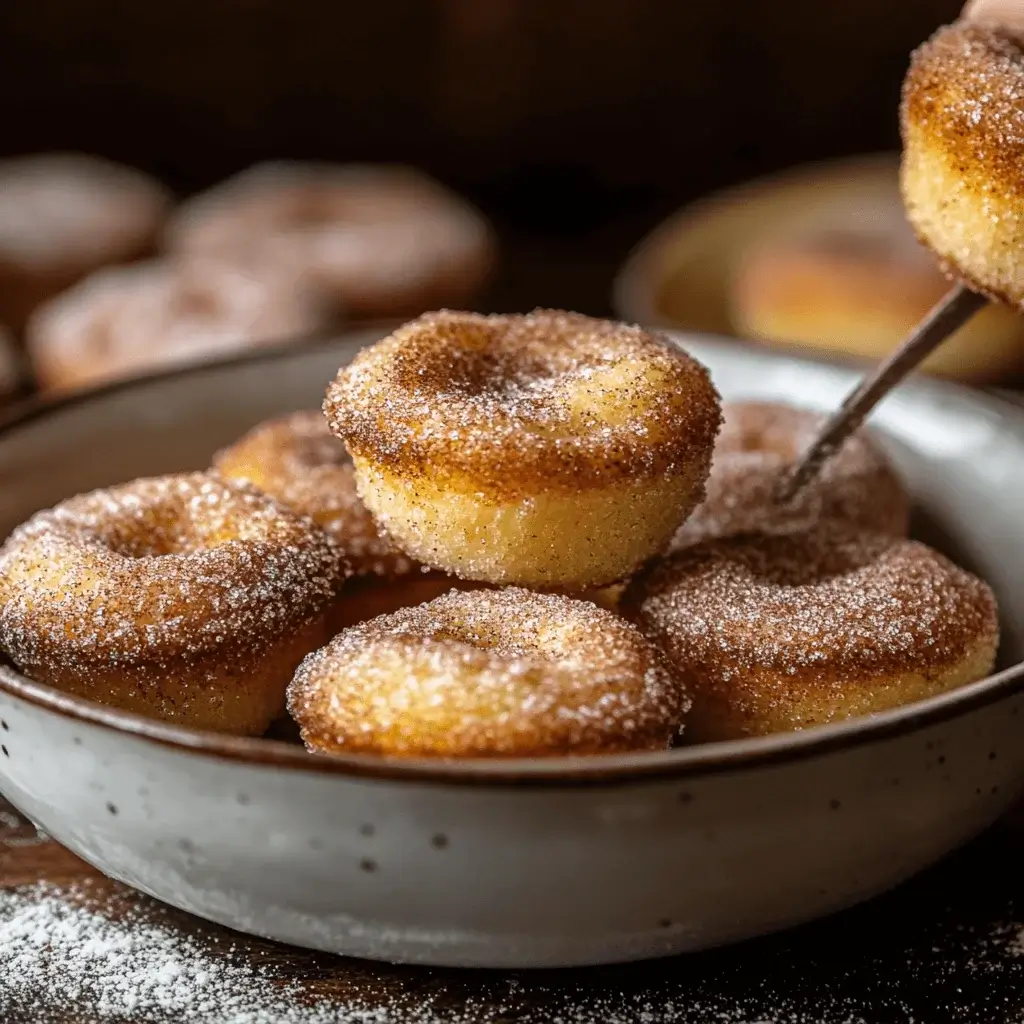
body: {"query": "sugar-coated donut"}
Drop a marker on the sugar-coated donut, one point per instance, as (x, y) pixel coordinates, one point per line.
(963, 154)
(183, 598)
(773, 633)
(124, 321)
(64, 215)
(757, 443)
(856, 281)
(377, 241)
(297, 460)
(491, 673)
(549, 450)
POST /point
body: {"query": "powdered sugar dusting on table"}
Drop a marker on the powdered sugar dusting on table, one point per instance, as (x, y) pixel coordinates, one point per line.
(121, 961)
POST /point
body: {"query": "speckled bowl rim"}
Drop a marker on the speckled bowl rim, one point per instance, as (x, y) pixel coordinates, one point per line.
(606, 769)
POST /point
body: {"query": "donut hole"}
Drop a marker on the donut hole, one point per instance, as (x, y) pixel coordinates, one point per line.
(173, 524)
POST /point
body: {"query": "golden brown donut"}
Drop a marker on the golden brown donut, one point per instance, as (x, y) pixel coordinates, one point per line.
(757, 443)
(125, 321)
(491, 673)
(857, 281)
(183, 598)
(963, 154)
(375, 241)
(64, 215)
(297, 460)
(549, 450)
(773, 633)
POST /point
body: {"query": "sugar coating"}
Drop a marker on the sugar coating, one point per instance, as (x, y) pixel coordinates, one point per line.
(375, 239)
(70, 211)
(124, 320)
(962, 120)
(160, 572)
(550, 450)
(757, 443)
(516, 403)
(485, 674)
(820, 619)
(297, 460)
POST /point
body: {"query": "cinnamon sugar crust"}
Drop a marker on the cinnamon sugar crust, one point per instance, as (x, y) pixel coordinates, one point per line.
(488, 674)
(758, 442)
(170, 596)
(512, 404)
(297, 460)
(781, 632)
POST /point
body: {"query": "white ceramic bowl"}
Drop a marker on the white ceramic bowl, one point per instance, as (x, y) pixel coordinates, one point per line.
(519, 863)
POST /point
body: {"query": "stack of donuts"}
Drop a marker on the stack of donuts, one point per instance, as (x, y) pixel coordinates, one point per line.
(503, 536)
(102, 277)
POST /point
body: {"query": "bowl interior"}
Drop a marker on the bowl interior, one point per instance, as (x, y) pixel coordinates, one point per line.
(961, 452)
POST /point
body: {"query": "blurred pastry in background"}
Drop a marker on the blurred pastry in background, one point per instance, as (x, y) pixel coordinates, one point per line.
(125, 321)
(64, 215)
(821, 257)
(11, 371)
(376, 241)
(857, 281)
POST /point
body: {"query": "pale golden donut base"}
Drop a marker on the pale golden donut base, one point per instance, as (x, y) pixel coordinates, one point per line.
(240, 699)
(976, 231)
(755, 706)
(572, 541)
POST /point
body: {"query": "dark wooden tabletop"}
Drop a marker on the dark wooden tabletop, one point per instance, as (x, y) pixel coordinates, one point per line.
(944, 947)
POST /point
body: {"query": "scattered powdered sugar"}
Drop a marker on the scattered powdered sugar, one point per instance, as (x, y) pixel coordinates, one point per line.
(116, 966)
(72, 955)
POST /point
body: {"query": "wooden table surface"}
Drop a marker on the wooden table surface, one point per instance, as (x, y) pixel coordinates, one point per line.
(944, 947)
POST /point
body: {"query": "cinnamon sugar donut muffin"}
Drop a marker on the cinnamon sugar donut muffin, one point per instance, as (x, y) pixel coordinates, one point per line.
(505, 673)
(64, 215)
(550, 450)
(124, 321)
(758, 442)
(183, 598)
(856, 280)
(963, 150)
(774, 633)
(376, 241)
(298, 461)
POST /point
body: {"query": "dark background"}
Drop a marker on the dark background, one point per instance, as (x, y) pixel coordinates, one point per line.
(576, 124)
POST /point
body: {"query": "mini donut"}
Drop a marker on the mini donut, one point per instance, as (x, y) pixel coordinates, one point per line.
(64, 215)
(376, 241)
(297, 460)
(184, 598)
(503, 673)
(963, 154)
(775, 633)
(124, 321)
(857, 281)
(549, 450)
(757, 443)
